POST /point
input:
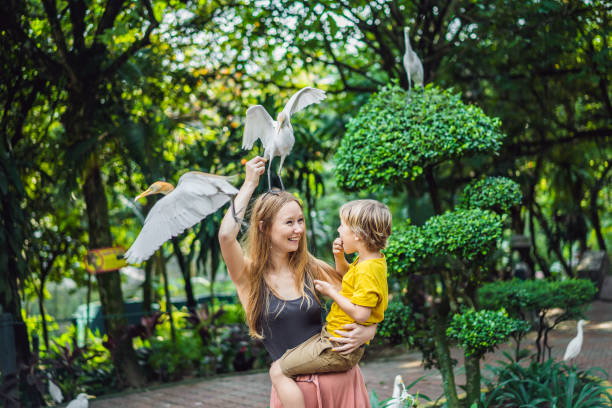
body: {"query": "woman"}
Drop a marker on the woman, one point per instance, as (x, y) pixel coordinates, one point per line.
(274, 280)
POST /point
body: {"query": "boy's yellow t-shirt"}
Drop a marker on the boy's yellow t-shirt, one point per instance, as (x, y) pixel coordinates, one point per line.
(364, 284)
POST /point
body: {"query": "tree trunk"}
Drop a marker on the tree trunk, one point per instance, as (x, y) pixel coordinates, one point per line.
(147, 288)
(472, 379)
(161, 265)
(541, 262)
(191, 302)
(594, 214)
(445, 362)
(109, 283)
(12, 266)
(433, 191)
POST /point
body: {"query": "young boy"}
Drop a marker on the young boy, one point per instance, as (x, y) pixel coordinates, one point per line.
(364, 228)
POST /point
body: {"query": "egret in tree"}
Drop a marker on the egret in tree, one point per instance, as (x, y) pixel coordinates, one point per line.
(412, 63)
(574, 346)
(55, 391)
(196, 196)
(81, 401)
(277, 136)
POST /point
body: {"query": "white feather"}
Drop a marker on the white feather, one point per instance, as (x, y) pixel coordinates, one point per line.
(574, 346)
(55, 391)
(277, 137)
(303, 98)
(81, 401)
(259, 125)
(196, 196)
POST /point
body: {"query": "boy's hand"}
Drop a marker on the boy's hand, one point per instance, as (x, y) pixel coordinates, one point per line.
(325, 288)
(338, 247)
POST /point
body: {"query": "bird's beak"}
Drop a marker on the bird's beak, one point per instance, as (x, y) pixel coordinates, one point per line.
(90, 396)
(145, 193)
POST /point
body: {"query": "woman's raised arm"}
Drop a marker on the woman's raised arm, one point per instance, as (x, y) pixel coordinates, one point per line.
(228, 232)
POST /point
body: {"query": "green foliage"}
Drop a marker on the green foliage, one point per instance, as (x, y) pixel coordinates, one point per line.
(538, 295)
(474, 236)
(76, 369)
(480, 332)
(398, 325)
(548, 384)
(497, 194)
(391, 141)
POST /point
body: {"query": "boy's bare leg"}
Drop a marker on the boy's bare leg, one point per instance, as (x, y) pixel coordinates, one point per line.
(288, 391)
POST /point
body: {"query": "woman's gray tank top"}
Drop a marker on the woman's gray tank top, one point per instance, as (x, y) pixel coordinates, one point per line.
(296, 323)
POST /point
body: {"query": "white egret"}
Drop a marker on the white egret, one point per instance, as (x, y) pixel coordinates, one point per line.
(574, 346)
(277, 136)
(81, 401)
(412, 63)
(196, 196)
(400, 394)
(55, 391)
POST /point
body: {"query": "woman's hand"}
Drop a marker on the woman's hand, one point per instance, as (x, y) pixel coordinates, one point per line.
(354, 335)
(254, 169)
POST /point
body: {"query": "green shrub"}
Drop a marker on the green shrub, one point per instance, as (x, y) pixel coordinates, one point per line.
(548, 384)
(390, 140)
(497, 194)
(537, 295)
(480, 332)
(474, 236)
(527, 299)
(398, 325)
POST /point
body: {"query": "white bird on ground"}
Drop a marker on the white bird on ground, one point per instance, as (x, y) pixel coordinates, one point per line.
(412, 63)
(55, 391)
(196, 196)
(81, 401)
(400, 394)
(574, 346)
(277, 136)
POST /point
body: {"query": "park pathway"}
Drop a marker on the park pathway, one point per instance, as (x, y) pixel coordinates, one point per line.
(253, 390)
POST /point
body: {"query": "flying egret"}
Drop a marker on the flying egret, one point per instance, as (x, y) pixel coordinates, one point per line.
(400, 394)
(196, 196)
(412, 63)
(81, 401)
(574, 346)
(277, 136)
(55, 391)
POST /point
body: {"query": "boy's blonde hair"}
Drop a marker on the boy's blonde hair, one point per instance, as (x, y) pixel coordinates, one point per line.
(370, 220)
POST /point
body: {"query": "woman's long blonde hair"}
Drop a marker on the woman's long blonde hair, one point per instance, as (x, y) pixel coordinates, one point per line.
(257, 247)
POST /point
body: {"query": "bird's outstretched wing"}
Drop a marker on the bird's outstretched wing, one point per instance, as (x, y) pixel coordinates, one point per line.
(303, 98)
(196, 196)
(259, 125)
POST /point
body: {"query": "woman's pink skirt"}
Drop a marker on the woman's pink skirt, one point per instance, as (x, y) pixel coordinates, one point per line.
(331, 390)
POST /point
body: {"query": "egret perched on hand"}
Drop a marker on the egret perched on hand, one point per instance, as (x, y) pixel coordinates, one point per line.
(574, 346)
(55, 391)
(81, 401)
(277, 136)
(412, 63)
(196, 196)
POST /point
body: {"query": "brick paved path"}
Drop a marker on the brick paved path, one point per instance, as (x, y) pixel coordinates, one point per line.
(253, 390)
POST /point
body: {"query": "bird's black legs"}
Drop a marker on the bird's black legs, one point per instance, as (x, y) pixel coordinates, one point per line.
(238, 220)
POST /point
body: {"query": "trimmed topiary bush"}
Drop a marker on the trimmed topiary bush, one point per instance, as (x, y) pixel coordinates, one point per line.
(390, 140)
(480, 332)
(525, 299)
(497, 194)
